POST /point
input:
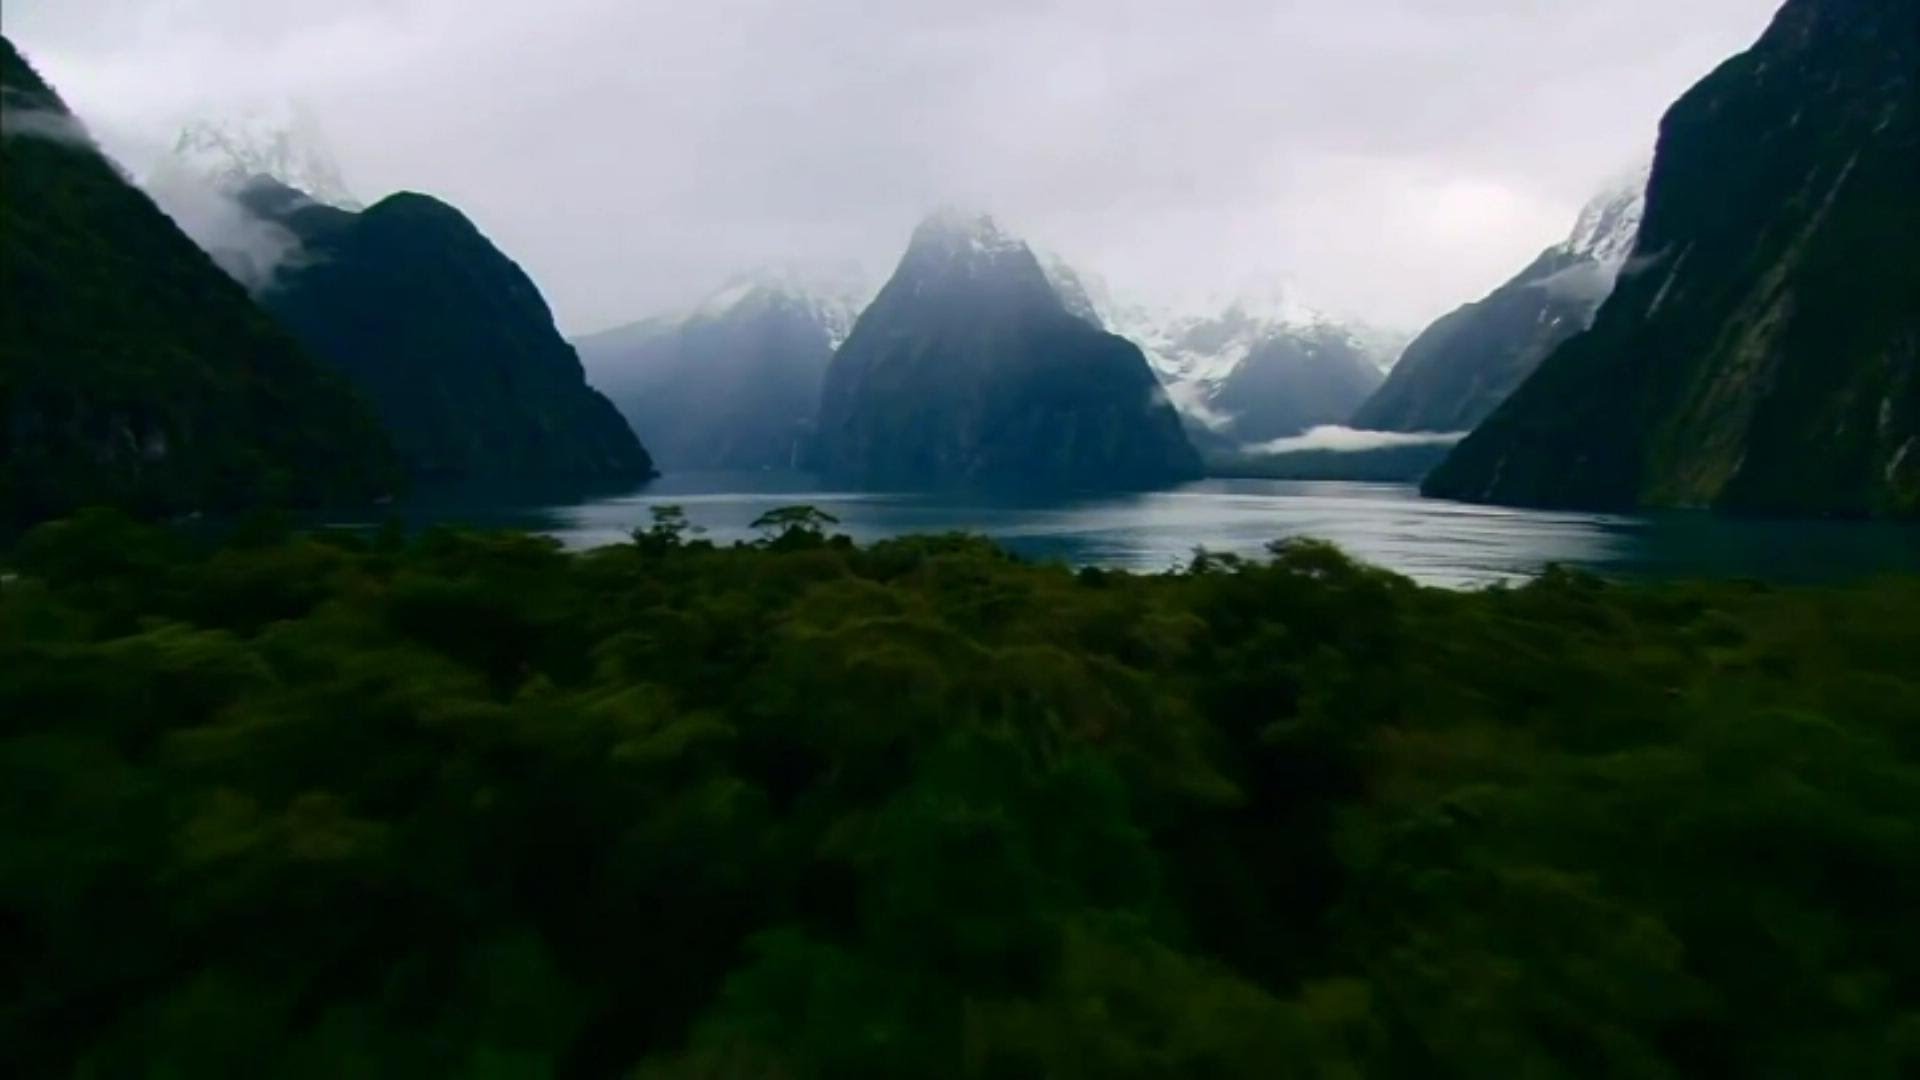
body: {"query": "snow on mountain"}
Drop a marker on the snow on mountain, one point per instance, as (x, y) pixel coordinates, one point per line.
(1198, 350)
(830, 295)
(282, 140)
(1610, 224)
(1602, 241)
(965, 232)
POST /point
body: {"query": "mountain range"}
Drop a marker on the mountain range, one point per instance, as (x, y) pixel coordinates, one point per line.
(1461, 368)
(1245, 369)
(1762, 353)
(968, 369)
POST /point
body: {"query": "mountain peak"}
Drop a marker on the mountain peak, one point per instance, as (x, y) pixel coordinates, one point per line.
(831, 295)
(282, 140)
(1609, 225)
(953, 234)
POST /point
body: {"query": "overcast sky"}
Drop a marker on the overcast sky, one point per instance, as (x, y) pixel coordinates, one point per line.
(1388, 159)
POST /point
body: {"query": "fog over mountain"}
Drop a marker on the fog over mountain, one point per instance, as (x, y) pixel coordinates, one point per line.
(1391, 159)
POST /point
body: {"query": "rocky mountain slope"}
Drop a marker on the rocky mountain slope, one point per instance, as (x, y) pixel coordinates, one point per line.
(967, 369)
(1764, 356)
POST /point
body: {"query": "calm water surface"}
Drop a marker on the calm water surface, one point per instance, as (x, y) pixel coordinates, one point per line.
(1436, 542)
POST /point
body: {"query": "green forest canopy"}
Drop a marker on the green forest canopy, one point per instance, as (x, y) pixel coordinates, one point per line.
(467, 804)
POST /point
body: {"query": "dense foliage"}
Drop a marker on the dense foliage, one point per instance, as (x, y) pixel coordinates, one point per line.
(350, 805)
(1762, 354)
(132, 370)
(451, 341)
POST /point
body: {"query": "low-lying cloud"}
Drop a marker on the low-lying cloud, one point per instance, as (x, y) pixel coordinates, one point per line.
(1588, 283)
(26, 121)
(1333, 438)
(250, 248)
(1190, 401)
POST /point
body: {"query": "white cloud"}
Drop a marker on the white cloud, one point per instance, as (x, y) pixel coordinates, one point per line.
(1393, 157)
(27, 122)
(1346, 440)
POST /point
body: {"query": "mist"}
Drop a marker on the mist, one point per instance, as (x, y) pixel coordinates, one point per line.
(31, 122)
(1587, 283)
(251, 249)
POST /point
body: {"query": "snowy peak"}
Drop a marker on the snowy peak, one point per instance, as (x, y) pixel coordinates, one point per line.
(953, 231)
(283, 141)
(1609, 225)
(831, 296)
(972, 264)
(1240, 365)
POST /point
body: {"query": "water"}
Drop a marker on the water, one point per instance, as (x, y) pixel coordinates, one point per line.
(1432, 541)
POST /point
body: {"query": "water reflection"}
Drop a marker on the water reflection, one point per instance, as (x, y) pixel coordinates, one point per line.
(1436, 542)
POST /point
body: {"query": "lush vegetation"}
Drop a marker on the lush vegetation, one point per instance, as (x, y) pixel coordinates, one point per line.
(458, 804)
(132, 370)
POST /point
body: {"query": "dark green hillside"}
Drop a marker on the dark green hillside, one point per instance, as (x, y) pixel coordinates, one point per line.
(469, 805)
(1765, 357)
(452, 342)
(132, 371)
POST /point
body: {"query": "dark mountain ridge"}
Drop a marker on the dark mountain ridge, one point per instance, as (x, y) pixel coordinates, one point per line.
(1766, 356)
(451, 340)
(133, 372)
(968, 370)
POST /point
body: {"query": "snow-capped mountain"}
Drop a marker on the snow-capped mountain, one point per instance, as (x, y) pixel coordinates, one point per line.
(1246, 368)
(968, 369)
(282, 140)
(1610, 223)
(1463, 366)
(731, 383)
(829, 296)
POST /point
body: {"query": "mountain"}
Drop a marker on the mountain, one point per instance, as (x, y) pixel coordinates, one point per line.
(132, 371)
(1294, 376)
(968, 370)
(1244, 370)
(452, 342)
(1765, 357)
(1463, 366)
(734, 384)
(282, 140)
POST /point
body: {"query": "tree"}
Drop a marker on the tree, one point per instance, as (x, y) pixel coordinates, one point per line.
(790, 523)
(669, 530)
